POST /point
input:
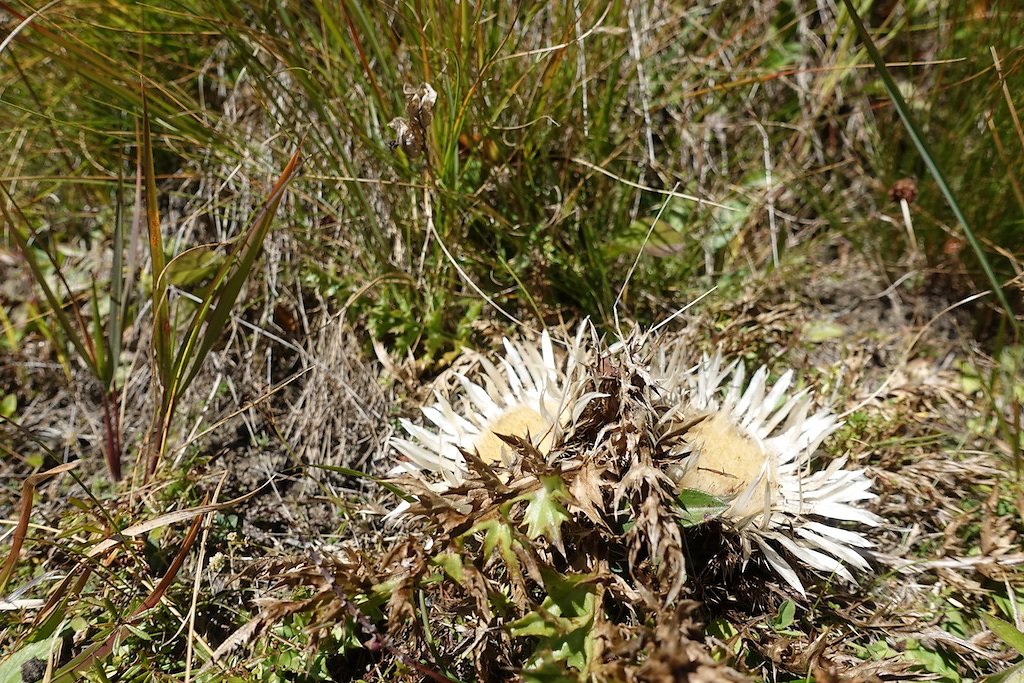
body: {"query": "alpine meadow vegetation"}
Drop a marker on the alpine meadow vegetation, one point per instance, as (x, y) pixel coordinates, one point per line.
(627, 341)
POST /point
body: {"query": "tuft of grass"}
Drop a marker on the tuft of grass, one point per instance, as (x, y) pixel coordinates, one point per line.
(558, 135)
(94, 337)
(923, 148)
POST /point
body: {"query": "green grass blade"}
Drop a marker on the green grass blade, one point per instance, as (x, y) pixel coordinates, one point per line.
(227, 284)
(349, 472)
(922, 147)
(116, 309)
(162, 333)
(116, 80)
(1006, 632)
(104, 370)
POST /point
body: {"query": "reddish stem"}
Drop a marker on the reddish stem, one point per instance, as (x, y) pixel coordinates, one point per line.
(112, 434)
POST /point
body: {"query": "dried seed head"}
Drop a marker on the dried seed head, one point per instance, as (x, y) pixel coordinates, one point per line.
(411, 132)
(419, 104)
(408, 137)
(904, 189)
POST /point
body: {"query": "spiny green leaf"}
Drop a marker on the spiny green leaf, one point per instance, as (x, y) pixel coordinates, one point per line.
(545, 514)
(451, 563)
(498, 535)
(564, 624)
(534, 624)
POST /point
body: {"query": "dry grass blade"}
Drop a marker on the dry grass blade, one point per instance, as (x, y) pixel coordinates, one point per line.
(28, 488)
(74, 583)
(151, 601)
(70, 671)
(161, 521)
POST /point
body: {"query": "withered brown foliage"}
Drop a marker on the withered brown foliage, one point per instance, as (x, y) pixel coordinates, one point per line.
(449, 595)
(671, 650)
